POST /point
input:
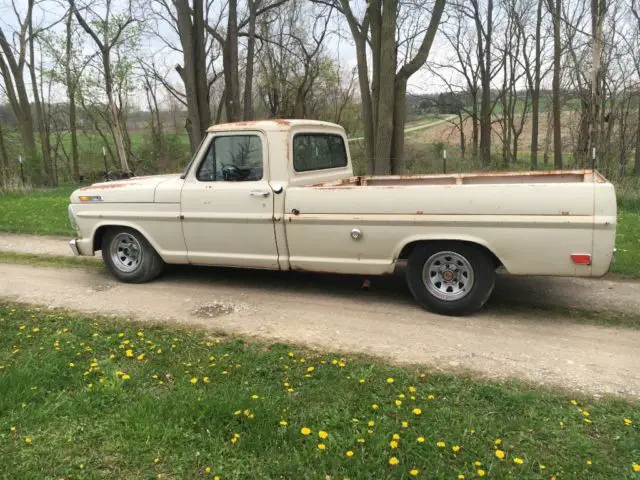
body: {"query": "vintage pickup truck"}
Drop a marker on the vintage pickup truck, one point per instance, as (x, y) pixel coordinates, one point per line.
(281, 195)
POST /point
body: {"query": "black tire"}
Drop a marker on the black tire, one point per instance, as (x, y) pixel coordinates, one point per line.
(469, 300)
(148, 266)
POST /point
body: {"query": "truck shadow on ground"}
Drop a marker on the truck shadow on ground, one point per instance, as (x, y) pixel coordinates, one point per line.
(511, 294)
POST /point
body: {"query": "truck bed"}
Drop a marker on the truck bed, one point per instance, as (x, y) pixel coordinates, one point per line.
(482, 178)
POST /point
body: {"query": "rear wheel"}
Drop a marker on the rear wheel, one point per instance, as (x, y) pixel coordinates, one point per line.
(450, 278)
(129, 256)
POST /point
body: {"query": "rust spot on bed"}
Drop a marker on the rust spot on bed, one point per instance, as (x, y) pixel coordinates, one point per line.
(419, 212)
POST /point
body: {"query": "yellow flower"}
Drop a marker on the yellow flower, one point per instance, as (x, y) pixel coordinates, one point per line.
(234, 440)
(441, 444)
(13, 429)
(254, 397)
(627, 421)
(455, 448)
(417, 411)
(125, 376)
(477, 463)
(156, 460)
(141, 356)
(371, 423)
(497, 442)
(402, 396)
(349, 453)
(420, 439)
(393, 461)
(398, 403)
(305, 431)
(205, 379)
(322, 446)
(636, 467)
(390, 380)
(461, 476)
(500, 454)
(573, 402)
(194, 380)
(310, 369)
(480, 472)
(283, 423)
(395, 436)
(589, 462)
(323, 435)
(414, 472)
(586, 420)
(518, 461)
(393, 444)
(412, 389)
(585, 413)
(431, 397)
(71, 364)
(375, 406)
(28, 440)
(207, 470)
(405, 424)
(361, 440)
(362, 380)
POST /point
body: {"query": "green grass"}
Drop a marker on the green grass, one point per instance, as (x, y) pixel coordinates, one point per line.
(41, 212)
(49, 260)
(91, 411)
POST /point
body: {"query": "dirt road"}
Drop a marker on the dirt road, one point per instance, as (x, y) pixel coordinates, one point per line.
(336, 313)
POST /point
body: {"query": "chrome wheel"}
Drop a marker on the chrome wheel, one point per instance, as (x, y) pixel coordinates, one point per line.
(448, 276)
(126, 252)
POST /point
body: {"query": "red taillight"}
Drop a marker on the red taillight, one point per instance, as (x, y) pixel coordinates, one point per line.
(581, 258)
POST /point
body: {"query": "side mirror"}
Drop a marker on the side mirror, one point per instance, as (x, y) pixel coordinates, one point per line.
(277, 188)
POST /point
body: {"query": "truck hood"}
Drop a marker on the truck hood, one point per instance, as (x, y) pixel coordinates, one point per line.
(133, 190)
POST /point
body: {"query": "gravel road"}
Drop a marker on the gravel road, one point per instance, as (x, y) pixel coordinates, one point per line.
(335, 313)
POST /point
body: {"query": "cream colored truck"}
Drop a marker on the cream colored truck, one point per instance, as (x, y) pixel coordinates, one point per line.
(281, 195)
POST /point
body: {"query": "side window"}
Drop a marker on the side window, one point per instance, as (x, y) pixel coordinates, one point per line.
(318, 151)
(233, 158)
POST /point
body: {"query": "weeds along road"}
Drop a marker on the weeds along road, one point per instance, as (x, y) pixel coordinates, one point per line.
(507, 340)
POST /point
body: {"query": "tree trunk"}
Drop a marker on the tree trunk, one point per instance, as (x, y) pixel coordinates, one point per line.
(638, 144)
(547, 138)
(387, 74)
(113, 111)
(475, 138)
(251, 46)
(485, 106)
(230, 60)
(535, 93)
(399, 116)
(598, 9)
(4, 161)
(557, 53)
(366, 103)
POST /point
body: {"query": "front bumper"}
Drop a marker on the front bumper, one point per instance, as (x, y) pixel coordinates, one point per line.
(82, 247)
(73, 244)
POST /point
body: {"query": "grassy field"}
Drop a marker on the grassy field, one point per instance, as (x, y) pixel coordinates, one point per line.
(93, 398)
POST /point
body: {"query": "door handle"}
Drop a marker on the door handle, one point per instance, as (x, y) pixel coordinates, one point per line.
(259, 193)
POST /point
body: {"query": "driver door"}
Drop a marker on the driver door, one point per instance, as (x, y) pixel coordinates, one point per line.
(227, 204)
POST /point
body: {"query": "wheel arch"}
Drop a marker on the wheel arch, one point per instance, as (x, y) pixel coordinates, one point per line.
(100, 231)
(404, 249)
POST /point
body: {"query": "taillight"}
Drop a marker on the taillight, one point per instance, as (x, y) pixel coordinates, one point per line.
(581, 258)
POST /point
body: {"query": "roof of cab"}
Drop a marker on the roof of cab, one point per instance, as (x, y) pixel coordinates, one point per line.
(270, 125)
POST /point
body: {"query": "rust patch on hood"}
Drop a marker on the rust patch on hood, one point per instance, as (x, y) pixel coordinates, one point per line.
(107, 186)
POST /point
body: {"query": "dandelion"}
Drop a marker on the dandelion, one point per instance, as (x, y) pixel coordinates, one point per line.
(371, 423)
(361, 440)
(362, 380)
(518, 461)
(156, 460)
(254, 397)
(461, 476)
(129, 353)
(589, 462)
(305, 431)
(635, 467)
(455, 449)
(412, 390)
(322, 446)
(72, 365)
(500, 454)
(627, 422)
(207, 470)
(585, 413)
(13, 429)
(28, 440)
(405, 424)
(126, 376)
(480, 472)
(205, 379)
(390, 380)
(194, 380)
(283, 423)
(477, 463)
(141, 356)
(310, 369)
(441, 444)
(398, 403)
(417, 411)
(349, 453)
(420, 440)
(431, 397)
(375, 406)
(323, 435)
(393, 461)
(395, 436)
(497, 442)
(414, 472)
(573, 402)
(393, 444)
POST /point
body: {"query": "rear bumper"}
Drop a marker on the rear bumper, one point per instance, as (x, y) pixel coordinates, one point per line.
(81, 247)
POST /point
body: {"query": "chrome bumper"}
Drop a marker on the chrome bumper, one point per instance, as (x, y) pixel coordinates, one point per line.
(73, 244)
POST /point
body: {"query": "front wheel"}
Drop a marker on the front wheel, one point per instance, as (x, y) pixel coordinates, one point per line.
(129, 256)
(450, 278)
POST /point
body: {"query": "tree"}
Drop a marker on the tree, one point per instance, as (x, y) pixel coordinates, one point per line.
(634, 10)
(106, 35)
(555, 7)
(71, 84)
